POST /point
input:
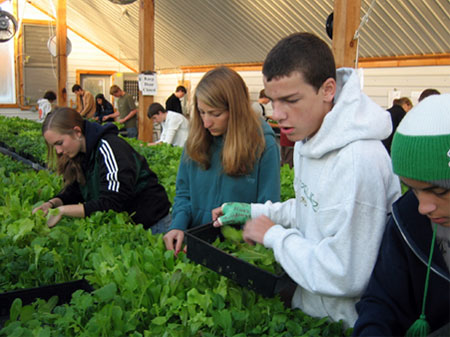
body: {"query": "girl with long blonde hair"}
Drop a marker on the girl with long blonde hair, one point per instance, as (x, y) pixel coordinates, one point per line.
(230, 155)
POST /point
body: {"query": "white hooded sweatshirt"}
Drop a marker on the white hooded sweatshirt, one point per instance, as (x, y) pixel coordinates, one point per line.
(44, 107)
(175, 129)
(327, 238)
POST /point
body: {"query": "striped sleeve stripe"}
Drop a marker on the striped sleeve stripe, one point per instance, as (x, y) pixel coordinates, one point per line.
(111, 166)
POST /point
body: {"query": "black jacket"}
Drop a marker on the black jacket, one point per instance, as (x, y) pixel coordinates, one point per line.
(103, 110)
(397, 114)
(117, 178)
(393, 299)
(173, 103)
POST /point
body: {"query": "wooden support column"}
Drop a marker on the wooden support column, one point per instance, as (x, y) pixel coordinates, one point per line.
(346, 20)
(61, 55)
(18, 50)
(146, 63)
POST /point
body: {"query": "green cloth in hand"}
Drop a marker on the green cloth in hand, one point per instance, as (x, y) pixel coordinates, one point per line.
(235, 213)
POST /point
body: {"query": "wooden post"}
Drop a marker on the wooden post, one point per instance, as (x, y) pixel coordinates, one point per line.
(18, 50)
(146, 63)
(61, 57)
(346, 20)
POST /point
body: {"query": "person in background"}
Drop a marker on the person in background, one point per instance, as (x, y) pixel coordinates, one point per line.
(173, 103)
(287, 150)
(175, 126)
(45, 104)
(262, 105)
(398, 110)
(428, 92)
(87, 109)
(101, 172)
(230, 154)
(103, 108)
(126, 111)
(327, 238)
(411, 278)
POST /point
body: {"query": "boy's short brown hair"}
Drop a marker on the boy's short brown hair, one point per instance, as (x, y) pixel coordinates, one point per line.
(114, 89)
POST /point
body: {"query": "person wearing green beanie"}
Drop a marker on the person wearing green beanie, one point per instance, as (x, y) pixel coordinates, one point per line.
(409, 290)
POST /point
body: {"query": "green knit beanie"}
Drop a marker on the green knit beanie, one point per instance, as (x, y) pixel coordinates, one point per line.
(421, 146)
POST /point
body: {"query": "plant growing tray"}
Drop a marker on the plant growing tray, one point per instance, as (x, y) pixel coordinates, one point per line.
(200, 249)
(64, 292)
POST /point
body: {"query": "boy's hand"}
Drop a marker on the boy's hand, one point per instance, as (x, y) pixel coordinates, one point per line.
(256, 229)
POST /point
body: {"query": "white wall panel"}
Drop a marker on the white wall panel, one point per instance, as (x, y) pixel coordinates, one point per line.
(377, 82)
(410, 81)
(86, 56)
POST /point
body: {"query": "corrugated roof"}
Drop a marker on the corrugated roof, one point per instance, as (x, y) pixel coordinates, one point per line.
(201, 32)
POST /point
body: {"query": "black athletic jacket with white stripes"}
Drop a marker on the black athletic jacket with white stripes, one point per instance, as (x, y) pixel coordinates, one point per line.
(117, 178)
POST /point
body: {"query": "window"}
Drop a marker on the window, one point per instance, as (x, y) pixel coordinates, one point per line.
(131, 87)
(39, 66)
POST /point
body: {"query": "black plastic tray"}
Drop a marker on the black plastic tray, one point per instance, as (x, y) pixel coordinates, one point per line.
(64, 292)
(201, 250)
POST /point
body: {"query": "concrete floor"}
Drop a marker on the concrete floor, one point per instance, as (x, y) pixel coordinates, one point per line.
(14, 112)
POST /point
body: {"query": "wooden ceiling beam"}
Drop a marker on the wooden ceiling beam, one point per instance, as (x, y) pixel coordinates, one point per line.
(405, 61)
(253, 66)
(363, 62)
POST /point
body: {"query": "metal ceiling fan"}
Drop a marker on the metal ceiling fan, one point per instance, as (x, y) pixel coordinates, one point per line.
(122, 2)
(8, 26)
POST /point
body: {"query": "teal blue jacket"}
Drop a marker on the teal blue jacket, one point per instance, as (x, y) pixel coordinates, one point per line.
(199, 191)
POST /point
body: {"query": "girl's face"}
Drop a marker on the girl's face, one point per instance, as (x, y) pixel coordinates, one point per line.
(214, 120)
(99, 101)
(66, 144)
(406, 107)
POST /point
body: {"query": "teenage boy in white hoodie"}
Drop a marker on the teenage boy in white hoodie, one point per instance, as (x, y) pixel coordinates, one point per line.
(175, 125)
(327, 238)
(45, 104)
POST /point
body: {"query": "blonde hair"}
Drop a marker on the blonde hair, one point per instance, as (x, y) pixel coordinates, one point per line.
(63, 120)
(114, 88)
(224, 89)
(402, 100)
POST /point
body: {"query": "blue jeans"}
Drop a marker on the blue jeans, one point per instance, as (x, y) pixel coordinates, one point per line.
(162, 225)
(132, 132)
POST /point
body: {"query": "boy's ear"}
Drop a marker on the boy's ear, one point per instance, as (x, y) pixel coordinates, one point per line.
(329, 89)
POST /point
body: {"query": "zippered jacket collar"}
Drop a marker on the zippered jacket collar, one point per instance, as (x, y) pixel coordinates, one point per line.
(94, 132)
(415, 229)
